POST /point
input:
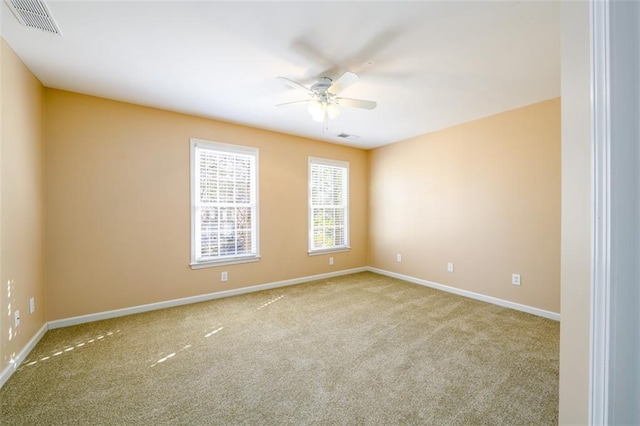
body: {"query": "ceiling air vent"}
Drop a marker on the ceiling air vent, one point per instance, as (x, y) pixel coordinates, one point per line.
(34, 14)
(347, 136)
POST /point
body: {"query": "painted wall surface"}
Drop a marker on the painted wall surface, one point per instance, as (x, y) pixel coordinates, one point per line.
(118, 206)
(22, 206)
(576, 214)
(484, 195)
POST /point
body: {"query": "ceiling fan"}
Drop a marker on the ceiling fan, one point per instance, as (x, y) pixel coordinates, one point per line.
(324, 102)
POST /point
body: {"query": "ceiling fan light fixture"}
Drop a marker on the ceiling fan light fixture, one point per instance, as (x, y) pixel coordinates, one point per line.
(332, 110)
(324, 103)
(315, 108)
(320, 110)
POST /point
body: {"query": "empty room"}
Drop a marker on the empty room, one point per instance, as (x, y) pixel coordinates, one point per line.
(219, 212)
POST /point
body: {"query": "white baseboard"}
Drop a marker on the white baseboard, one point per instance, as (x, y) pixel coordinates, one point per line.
(17, 360)
(194, 299)
(500, 302)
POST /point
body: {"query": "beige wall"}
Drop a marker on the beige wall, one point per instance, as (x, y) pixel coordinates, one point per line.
(22, 205)
(484, 195)
(576, 214)
(118, 206)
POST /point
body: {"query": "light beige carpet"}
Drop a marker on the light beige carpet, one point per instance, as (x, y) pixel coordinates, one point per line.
(358, 349)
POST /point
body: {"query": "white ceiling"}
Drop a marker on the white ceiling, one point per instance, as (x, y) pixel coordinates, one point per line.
(428, 64)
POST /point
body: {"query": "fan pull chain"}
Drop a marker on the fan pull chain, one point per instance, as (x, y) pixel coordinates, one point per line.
(325, 123)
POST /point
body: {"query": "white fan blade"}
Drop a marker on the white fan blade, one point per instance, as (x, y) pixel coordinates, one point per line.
(295, 85)
(294, 102)
(356, 103)
(346, 80)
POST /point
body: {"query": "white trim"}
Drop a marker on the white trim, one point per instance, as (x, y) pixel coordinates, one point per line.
(194, 299)
(328, 251)
(347, 195)
(477, 296)
(82, 319)
(66, 322)
(329, 162)
(226, 147)
(601, 224)
(227, 261)
(15, 362)
(244, 150)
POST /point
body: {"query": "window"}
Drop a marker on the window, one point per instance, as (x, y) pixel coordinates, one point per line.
(328, 205)
(224, 203)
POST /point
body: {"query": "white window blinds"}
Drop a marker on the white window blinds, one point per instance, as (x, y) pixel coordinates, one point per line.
(328, 205)
(224, 203)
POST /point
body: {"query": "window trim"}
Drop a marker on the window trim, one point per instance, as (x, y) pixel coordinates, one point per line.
(347, 228)
(235, 149)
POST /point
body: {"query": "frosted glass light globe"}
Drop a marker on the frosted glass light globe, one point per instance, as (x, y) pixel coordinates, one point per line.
(315, 108)
(333, 111)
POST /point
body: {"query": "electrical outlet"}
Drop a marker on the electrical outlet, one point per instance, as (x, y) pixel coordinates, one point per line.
(398, 257)
(515, 279)
(331, 261)
(16, 318)
(223, 276)
(450, 267)
(32, 305)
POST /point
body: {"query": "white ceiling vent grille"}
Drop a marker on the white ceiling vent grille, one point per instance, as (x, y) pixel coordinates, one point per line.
(34, 14)
(348, 136)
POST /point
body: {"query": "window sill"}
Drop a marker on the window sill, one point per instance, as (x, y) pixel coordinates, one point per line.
(328, 251)
(222, 262)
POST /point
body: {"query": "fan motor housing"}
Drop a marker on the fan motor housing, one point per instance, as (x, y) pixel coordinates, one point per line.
(322, 85)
